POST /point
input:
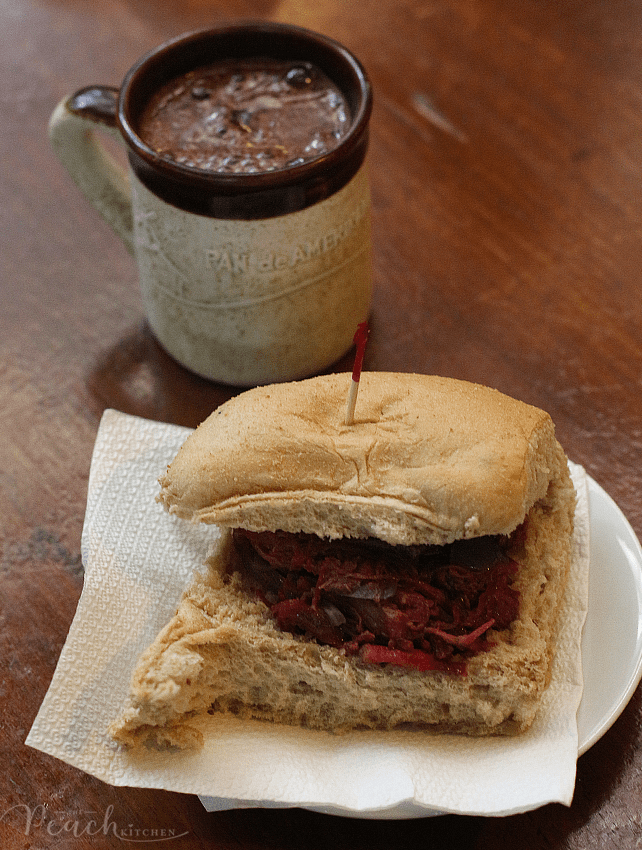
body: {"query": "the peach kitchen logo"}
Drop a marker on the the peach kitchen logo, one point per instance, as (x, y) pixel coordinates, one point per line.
(30, 820)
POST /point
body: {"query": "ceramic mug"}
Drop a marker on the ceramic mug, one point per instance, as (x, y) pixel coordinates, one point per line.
(246, 278)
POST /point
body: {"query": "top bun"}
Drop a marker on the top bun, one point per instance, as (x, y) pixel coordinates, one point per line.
(427, 460)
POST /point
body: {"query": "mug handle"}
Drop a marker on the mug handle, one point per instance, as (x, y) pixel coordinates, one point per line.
(94, 170)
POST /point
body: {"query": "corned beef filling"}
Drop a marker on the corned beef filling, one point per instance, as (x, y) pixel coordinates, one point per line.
(427, 607)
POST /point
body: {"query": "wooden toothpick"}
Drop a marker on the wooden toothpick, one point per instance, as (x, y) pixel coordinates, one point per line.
(360, 340)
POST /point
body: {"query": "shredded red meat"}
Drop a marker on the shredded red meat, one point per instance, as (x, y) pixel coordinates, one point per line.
(426, 607)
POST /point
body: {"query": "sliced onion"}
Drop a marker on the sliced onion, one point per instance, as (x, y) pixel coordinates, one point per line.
(374, 591)
(333, 614)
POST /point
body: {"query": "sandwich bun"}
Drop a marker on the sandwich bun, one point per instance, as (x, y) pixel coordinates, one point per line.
(427, 460)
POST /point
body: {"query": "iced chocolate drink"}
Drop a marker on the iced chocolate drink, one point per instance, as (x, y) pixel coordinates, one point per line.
(256, 116)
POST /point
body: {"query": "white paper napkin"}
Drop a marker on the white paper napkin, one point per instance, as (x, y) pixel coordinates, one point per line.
(138, 559)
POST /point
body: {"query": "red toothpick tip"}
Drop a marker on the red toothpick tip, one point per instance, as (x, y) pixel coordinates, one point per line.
(360, 340)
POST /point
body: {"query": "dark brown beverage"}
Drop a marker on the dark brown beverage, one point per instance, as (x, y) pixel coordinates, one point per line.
(256, 115)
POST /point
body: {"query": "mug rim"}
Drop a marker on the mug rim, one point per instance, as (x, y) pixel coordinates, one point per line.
(169, 59)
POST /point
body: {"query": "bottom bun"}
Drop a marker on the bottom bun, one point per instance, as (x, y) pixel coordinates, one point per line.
(223, 652)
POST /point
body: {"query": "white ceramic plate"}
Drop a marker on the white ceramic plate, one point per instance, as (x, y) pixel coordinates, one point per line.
(612, 639)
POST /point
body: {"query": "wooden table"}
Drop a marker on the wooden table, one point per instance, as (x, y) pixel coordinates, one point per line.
(506, 169)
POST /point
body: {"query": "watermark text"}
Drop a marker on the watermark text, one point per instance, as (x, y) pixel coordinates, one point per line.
(29, 819)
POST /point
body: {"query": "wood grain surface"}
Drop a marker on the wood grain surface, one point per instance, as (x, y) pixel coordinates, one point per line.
(506, 171)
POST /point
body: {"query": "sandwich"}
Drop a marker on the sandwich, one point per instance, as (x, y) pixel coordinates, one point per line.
(407, 569)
